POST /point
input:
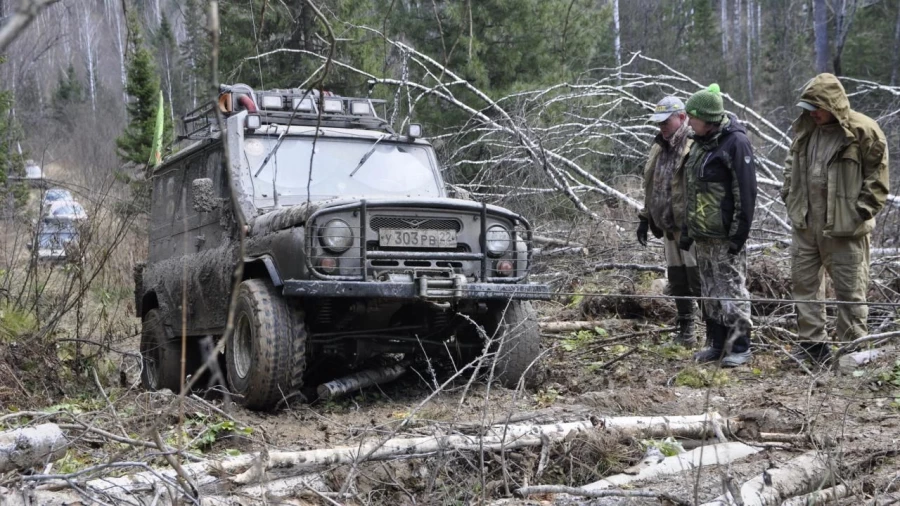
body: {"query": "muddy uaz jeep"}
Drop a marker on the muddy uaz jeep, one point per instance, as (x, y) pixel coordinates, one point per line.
(353, 250)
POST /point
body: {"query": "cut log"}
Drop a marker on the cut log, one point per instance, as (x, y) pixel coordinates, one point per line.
(242, 470)
(693, 426)
(628, 267)
(819, 497)
(851, 361)
(559, 252)
(552, 241)
(799, 476)
(712, 455)
(568, 326)
(31, 446)
(359, 380)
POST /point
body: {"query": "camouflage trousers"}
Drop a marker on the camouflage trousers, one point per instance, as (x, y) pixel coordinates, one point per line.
(723, 276)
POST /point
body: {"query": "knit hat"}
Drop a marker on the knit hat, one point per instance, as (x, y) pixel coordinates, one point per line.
(706, 105)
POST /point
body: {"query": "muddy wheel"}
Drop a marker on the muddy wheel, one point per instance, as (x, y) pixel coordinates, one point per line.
(160, 356)
(262, 366)
(518, 344)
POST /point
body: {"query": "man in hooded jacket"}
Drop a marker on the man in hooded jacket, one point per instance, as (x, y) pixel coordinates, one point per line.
(720, 198)
(663, 211)
(835, 182)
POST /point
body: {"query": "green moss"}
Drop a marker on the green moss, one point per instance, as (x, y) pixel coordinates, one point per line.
(699, 377)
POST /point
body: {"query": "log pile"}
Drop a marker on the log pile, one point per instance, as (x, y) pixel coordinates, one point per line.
(272, 475)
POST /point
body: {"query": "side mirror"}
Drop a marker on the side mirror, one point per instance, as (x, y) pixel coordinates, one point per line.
(203, 197)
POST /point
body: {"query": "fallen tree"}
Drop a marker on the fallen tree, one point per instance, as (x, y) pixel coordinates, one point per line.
(802, 475)
(254, 469)
(31, 446)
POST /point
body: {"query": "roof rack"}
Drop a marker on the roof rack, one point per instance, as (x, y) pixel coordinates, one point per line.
(284, 107)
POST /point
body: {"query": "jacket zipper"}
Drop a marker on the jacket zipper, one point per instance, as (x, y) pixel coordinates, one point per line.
(703, 166)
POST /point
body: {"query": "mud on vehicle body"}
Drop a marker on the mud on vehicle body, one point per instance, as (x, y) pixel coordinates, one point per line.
(361, 256)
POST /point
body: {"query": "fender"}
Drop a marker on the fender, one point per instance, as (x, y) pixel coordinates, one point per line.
(255, 265)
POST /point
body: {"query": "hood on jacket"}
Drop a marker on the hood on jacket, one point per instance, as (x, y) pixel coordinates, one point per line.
(826, 92)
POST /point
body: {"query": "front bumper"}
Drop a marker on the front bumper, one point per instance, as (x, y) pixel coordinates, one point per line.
(422, 288)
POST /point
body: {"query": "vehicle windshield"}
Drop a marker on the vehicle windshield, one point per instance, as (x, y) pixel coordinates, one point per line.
(54, 194)
(392, 170)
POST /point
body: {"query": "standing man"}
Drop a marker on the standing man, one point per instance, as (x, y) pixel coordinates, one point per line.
(663, 211)
(720, 197)
(835, 182)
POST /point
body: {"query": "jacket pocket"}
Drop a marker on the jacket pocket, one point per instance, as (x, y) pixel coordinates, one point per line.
(707, 220)
(848, 181)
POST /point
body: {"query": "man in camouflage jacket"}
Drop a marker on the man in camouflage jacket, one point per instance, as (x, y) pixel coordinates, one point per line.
(835, 182)
(720, 197)
(663, 211)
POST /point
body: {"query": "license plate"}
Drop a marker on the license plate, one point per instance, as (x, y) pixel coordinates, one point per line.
(411, 238)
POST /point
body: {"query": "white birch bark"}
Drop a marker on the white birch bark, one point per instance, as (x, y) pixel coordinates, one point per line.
(618, 40)
(712, 455)
(31, 446)
(798, 476)
(723, 24)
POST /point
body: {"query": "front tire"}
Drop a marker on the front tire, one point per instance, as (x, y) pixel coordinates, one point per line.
(518, 344)
(262, 352)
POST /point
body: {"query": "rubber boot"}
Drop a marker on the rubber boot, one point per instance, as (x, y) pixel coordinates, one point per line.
(684, 335)
(679, 286)
(693, 281)
(715, 343)
(740, 347)
(815, 351)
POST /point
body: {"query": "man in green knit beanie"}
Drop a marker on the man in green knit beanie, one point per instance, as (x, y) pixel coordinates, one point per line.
(720, 197)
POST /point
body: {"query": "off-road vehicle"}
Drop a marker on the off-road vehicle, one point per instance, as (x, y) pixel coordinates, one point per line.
(353, 250)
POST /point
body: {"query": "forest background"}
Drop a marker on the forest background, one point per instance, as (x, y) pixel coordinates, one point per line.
(64, 79)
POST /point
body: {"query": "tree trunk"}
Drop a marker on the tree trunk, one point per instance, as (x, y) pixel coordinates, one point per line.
(736, 22)
(798, 476)
(843, 19)
(712, 455)
(723, 24)
(895, 59)
(749, 38)
(31, 446)
(618, 42)
(820, 26)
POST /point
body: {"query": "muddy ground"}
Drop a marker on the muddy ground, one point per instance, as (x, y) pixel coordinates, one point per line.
(625, 365)
(592, 373)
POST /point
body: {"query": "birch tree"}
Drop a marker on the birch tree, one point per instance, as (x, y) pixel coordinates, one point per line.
(820, 15)
(895, 59)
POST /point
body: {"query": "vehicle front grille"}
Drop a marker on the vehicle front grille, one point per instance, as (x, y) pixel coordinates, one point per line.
(402, 222)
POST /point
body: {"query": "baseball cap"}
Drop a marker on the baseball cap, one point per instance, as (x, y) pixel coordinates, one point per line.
(807, 106)
(665, 108)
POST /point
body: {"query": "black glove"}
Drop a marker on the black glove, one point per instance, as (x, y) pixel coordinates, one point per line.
(685, 242)
(863, 213)
(734, 249)
(642, 231)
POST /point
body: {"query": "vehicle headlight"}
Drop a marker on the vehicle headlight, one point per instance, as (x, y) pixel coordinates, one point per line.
(497, 240)
(336, 236)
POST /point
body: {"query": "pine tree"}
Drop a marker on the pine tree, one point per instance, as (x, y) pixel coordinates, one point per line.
(142, 87)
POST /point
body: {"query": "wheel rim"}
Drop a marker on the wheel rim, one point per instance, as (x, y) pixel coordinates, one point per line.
(242, 344)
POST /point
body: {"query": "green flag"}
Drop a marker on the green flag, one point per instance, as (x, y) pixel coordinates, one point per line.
(156, 150)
